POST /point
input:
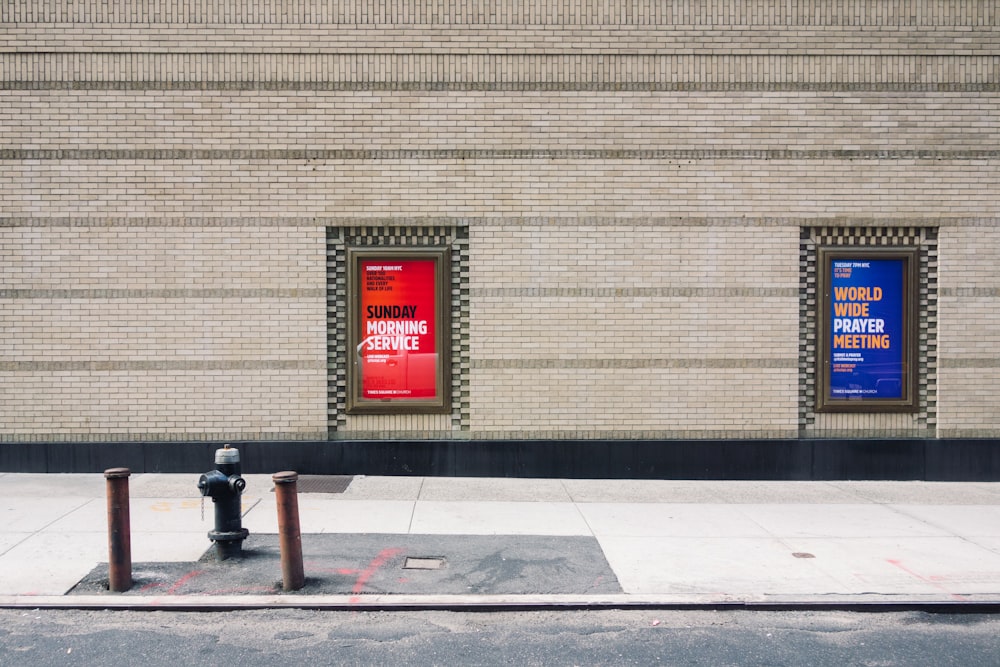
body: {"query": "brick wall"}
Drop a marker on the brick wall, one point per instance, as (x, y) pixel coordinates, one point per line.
(123, 329)
(632, 179)
(969, 338)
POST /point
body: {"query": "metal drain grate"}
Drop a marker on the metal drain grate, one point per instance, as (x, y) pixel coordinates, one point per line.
(324, 483)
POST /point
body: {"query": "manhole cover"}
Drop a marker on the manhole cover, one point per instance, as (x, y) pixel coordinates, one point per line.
(323, 483)
(423, 563)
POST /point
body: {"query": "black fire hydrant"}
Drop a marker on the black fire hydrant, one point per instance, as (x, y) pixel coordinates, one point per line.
(225, 486)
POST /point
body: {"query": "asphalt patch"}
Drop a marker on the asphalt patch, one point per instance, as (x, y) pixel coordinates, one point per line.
(360, 564)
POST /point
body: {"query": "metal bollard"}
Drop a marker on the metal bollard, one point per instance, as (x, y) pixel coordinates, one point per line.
(287, 498)
(119, 530)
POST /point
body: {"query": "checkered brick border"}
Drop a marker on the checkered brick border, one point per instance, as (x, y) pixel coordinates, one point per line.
(925, 239)
(338, 239)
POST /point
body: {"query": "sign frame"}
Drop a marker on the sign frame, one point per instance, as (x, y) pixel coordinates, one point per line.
(905, 316)
(439, 292)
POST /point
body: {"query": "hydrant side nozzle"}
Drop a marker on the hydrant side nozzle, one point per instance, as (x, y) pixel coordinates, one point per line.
(210, 481)
(237, 483)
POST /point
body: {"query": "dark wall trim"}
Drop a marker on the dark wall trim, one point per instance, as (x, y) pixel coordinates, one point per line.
(904, 459)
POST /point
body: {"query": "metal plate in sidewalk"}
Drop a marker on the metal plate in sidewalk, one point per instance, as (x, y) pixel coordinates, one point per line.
(423, 563)
(323, 483)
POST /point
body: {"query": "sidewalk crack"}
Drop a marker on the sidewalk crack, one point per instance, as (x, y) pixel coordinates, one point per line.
(413, 509)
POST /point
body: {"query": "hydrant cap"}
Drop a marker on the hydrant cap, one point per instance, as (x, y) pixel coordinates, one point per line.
(227, 455)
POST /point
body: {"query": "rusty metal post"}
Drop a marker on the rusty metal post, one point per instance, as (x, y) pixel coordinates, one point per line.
(286, 494)
(119, 530)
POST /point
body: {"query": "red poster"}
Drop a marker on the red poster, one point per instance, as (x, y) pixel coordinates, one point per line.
(398, 353)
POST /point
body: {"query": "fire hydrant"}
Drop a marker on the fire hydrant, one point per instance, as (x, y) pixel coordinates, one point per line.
(225, 486)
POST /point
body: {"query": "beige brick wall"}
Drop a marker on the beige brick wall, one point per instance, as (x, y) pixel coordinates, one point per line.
(969, 339)
(633, 177)
(89, 403)
(471, 120)
(166, 332)
(517, 12)
(625, 330)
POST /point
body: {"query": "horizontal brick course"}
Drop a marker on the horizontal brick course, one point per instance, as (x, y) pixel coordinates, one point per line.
(465, 71)
(438, 40)
(596, 13)
(516, 187)
(66, 124)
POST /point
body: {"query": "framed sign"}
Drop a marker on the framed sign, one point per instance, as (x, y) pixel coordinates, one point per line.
(867, 326)
(398, 330)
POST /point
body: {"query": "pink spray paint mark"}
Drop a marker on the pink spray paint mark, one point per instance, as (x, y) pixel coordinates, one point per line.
(933, 581)
(373, 567)
(343, 571)
(183, 580)
(314, 567)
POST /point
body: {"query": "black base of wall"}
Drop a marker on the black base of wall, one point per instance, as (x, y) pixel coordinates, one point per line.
(911, 459)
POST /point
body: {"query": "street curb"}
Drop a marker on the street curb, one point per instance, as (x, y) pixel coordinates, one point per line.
(369, 602)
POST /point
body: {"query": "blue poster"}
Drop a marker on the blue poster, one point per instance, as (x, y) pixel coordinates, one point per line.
(867, 329)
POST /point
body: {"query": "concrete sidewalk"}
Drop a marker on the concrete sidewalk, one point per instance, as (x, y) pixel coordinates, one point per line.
(619, 542)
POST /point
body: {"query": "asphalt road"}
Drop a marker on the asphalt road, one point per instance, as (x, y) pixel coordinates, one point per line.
(31, 638)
